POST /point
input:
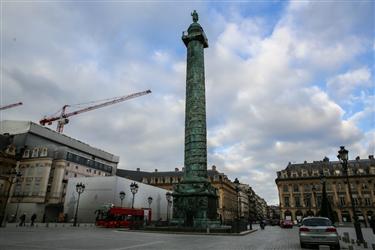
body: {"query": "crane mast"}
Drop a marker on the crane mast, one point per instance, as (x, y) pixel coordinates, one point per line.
(11, 105)
(62, 119)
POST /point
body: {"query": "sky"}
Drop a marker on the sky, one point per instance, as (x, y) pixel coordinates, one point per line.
(285, 81)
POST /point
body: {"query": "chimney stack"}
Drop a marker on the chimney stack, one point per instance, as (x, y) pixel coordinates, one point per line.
(156, 170)
(138, 169)
(176, 169)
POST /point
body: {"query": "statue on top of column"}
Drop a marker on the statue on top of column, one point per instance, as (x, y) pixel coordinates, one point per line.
(195, 16)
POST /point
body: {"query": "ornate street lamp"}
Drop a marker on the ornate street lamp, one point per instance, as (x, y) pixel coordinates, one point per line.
(134, 190)
(168, 195)
(122, 196)
(313, 189)
(80, 188)
(237, 189)
(149, 200)
(343, 157)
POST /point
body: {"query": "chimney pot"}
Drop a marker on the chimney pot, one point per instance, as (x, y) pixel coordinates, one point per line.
(156, 170)
(138, 169)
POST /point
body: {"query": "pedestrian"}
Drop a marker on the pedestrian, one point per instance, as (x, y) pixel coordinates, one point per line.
(372, 223)
(22, 220)
(33, 217)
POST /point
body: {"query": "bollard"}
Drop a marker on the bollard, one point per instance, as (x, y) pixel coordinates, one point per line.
(47, 225)
(350, 247)
(353, 241)
(365, 245)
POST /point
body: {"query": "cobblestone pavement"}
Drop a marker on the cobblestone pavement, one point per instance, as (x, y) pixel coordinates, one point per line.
(272, 238)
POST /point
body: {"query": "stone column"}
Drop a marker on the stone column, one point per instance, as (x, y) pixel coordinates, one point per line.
(195, 108)
(195, 199)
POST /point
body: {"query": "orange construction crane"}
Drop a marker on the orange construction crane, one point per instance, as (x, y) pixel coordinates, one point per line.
(11, 105)
(62, 119)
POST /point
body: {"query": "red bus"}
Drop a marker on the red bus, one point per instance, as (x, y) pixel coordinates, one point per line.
(123, 217)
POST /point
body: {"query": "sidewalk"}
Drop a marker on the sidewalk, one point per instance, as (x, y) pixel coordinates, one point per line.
(51, 224)
(367, 235)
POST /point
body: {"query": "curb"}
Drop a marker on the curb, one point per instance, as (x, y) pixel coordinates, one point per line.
(190, 233)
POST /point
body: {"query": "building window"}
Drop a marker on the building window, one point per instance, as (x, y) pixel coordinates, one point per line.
(367, 201)
(35, 152)
(44, 152)
(297, 201)
(326, 172)
(285, 188)
(319, 200)
(307, 188)
(337, 172)
(342, 201)
(295, 188)
(26, 154)
(286, 201)
(356, 202)
(308, 201)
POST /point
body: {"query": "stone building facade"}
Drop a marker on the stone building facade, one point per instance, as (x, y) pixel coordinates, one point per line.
(250, 204)
(300, 189)
(49, 159)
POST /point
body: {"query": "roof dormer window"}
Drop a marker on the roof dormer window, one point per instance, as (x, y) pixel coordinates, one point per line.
(35, 152)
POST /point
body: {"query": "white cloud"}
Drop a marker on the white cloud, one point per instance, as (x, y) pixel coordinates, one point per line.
(341, 86)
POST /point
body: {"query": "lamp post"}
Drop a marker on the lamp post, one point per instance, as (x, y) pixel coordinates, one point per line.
(122, 196)
(315, 199)
(237, 189)
(168, 196)
(149, 200)
(134, 190)
(343, 157)
(80, 188)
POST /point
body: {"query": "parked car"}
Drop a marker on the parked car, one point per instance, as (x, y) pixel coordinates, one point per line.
(318, 231)
(286, 224)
